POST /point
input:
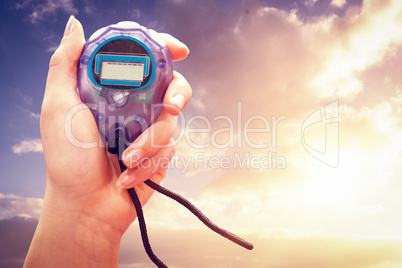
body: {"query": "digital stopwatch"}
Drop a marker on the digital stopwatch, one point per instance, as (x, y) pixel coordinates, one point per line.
(123, 74)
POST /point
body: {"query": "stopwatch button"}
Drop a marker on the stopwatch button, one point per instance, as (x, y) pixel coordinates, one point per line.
(161, 63)
(99, 117)
(135, 127)
(116, 142)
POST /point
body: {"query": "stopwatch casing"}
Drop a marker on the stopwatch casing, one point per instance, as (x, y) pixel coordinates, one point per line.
(123, 74)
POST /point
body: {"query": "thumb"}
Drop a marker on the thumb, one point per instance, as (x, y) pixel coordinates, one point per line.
(61, 82)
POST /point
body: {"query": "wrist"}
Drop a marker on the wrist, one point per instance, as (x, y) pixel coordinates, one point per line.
(73, 238)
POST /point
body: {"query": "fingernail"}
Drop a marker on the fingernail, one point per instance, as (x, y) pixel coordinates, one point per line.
(178, 101)
(188, 50)
(70, 26)
(132, 158)
(126, 182)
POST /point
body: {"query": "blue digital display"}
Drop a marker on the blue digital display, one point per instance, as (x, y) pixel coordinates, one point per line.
(121, 70)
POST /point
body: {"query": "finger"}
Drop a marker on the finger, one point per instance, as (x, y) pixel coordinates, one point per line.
(177, 95)
(145, 192)
(148, 167)
(61, 82)
(177, 49)
(157, 136)
(63, 115)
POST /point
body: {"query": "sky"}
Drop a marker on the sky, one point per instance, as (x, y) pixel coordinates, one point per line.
(292, 138)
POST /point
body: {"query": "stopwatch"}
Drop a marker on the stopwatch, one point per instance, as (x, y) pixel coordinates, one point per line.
(123, 74)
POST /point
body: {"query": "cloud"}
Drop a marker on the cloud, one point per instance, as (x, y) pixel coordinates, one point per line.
(12, 205)
(201, 247)
(136, 14)
(28, 146)
(338, 3)
(46, 8)
(29, 113)
(355, 43)
(53, 41)
(22, 4)
(90, 7)
(277, 248)
(310, 2)
(27, 102)
(275, 63)
(271, 56)
(34, 115)
(25, 98)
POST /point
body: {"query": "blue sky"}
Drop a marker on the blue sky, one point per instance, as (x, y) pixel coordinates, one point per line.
(31, 31)
(252, 63)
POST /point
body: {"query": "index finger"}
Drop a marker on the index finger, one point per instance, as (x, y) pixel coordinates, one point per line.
(177, 49)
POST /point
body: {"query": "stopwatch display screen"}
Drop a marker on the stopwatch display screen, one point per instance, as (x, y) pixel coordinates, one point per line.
(114, 71)
(121, 69)
(121, 63)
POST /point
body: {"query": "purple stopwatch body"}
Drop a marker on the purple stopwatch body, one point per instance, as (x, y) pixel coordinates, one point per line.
(123, 74)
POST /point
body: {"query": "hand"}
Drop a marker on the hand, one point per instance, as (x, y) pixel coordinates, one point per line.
(85, 210)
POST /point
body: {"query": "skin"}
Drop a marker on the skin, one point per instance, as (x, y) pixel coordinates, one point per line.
(86, 208)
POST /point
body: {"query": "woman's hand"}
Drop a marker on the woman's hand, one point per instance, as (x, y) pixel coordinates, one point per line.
(85, 210)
